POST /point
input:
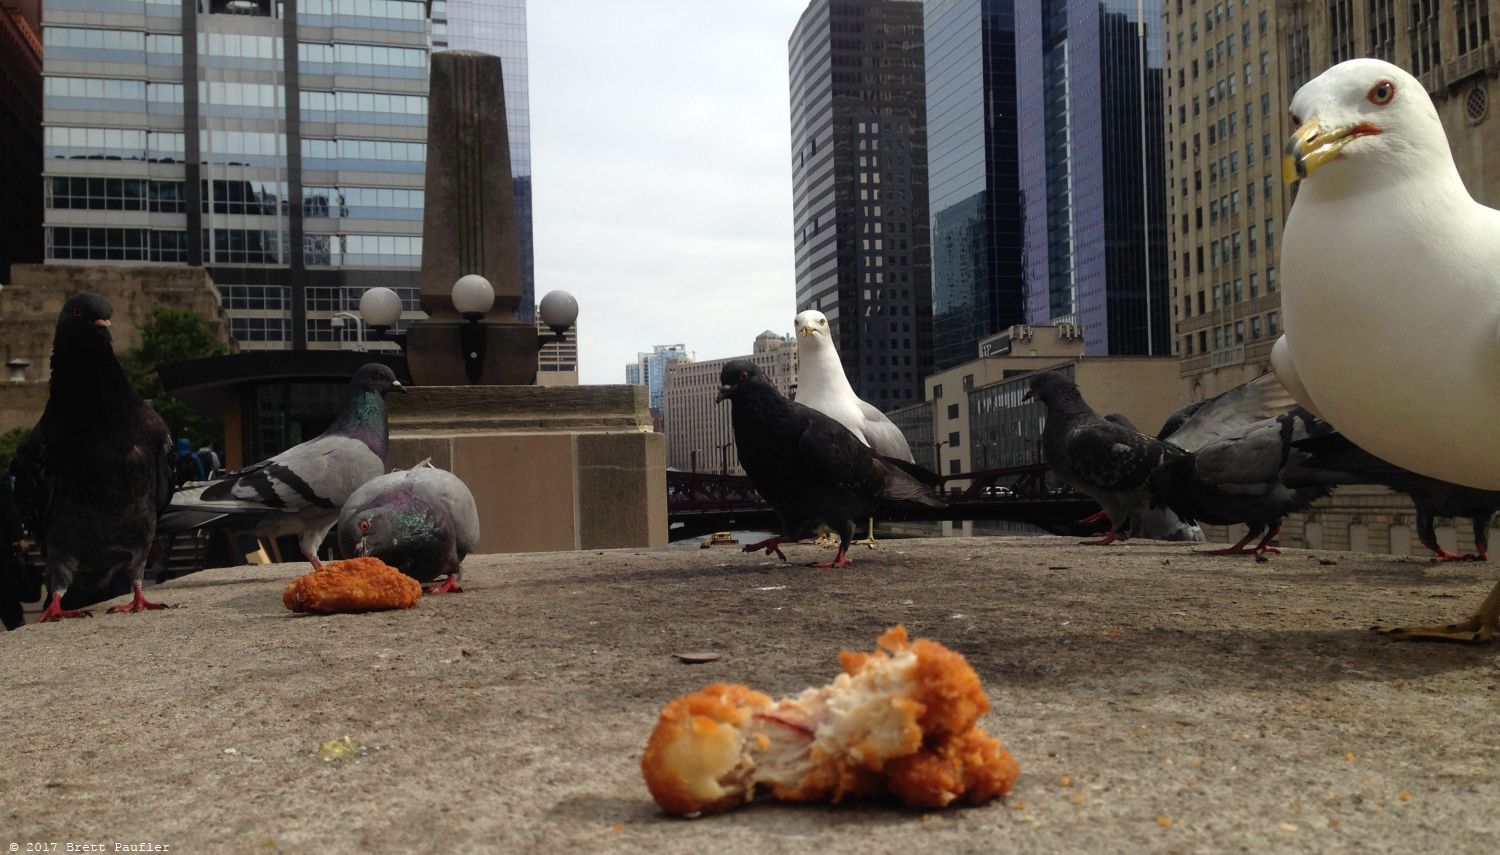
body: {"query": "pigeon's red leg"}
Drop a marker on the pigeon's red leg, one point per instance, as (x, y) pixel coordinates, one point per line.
(1109, 537)
(55, 612)
(1093, 518)
(1439, 554)
(1261, 548)
(770, 545)
(312, 558)
(839, 560)
(138, 604)
(1237, 549)
(449, 586)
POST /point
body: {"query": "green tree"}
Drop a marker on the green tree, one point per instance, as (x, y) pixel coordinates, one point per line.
(173, 335)
(9, 442)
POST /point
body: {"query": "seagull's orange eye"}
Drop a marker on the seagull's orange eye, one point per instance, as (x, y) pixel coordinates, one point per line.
(1381, 93)
(364, 525)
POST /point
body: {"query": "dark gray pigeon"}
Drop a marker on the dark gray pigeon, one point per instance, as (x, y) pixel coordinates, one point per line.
(95, 471)
(1108, 462)
(1157, 523)
(810, 468)
(422, 521)
(301, 490)
(1332, 458)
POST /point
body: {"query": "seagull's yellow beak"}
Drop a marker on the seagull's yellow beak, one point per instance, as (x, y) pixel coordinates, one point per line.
(806, 330)
(1312, 145)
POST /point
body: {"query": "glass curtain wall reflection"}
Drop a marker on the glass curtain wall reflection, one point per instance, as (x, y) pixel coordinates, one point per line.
(280, 145)
(1089, 92)
(498, 27)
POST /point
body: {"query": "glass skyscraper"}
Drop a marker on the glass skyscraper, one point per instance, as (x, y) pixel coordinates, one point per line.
(973, 185)
(499, 27)
(1089, 97)
(859, 189)
(282, 146)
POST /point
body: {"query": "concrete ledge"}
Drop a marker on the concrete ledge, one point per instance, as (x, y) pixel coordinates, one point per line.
(1193, 704)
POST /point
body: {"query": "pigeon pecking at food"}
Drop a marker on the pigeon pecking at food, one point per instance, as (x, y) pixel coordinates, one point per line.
(810, 468)
(301, 490)
(1108, 462)
(95, 471)
(422, 521)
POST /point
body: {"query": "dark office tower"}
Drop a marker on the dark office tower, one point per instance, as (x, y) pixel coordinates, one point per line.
(20, 134)
(499, 27)
(279, 144)
(973, 183)
(859, 189)
(1089, 92)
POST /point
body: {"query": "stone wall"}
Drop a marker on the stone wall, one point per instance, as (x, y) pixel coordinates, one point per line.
(30, 304)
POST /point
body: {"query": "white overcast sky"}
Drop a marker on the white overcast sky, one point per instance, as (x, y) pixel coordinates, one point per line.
(661, 172)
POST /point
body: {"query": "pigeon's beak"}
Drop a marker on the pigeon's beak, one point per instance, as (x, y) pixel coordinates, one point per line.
(102, 322)
(1030, 393)
(396, 384)
(723, 394)
(1312, 145)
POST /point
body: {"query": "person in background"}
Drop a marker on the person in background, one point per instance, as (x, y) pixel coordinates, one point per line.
(208, 458)
(185, 464)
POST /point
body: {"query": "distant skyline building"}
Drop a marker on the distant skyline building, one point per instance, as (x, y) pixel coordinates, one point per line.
(859, 189)
(285, 155)
(650, 370)
(498, 27)
(974, 193)
(20, 133)
(1090, 105)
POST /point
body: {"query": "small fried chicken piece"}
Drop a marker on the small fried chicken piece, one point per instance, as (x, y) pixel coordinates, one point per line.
(352, 585)
(899, 720)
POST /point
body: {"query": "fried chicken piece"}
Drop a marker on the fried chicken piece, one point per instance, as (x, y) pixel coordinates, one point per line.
(352, 585)
(899, 720)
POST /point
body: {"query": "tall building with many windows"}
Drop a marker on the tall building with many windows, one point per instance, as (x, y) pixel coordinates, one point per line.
(20, 133)
(650, 370)
(280, 145)
(1232, 69)
(973, 186)
(859, 189)
(1089, 97)
(499, 27)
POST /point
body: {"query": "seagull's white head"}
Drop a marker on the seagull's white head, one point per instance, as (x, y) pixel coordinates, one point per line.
(812, 330)
(1374, 118)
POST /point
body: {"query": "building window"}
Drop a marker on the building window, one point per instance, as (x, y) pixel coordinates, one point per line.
(952, 411)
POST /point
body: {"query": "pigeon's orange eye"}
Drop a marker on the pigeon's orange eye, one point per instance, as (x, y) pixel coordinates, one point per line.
(744, 375)
(1381, 93)
(364, 525)
(77, 313)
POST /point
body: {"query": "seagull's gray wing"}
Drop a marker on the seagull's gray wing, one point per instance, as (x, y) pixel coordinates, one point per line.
(884, 437)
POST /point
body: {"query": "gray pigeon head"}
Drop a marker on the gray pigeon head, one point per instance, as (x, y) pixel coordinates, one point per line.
(84, 322)
(1052, 387)
(737, 375)
(375, 377)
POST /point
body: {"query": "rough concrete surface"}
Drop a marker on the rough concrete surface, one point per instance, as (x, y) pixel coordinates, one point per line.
(1157, 700)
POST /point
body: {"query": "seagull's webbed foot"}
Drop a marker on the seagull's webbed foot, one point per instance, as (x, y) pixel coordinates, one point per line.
(55, 612)
(1479, 628)
(869, 539)
(138, 603)
(770, 545)
(842, 559)
(1108, 538)
(449, 586)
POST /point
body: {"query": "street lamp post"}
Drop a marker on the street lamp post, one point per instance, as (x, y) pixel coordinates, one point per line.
(337, 322)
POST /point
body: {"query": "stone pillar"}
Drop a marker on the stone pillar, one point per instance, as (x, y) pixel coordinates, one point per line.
(469, 226)
(551, 468)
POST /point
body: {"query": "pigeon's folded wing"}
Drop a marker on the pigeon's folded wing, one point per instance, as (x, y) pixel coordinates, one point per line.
(320, 473)
(1110, 457)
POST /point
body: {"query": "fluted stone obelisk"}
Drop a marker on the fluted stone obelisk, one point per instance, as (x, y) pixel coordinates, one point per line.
(469, 226)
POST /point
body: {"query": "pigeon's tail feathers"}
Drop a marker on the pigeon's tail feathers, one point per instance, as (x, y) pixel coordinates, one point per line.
(909, 483)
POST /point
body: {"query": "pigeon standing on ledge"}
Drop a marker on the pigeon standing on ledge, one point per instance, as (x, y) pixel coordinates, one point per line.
(422, 521)
(1108, 462)
(810, 468)
(301, 490)
(95, 471)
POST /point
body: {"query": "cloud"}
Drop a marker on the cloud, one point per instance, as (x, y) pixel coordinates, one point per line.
(661, 170)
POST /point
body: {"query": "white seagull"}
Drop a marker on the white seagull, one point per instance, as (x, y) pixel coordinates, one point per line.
(1391, 277)
(822, 385)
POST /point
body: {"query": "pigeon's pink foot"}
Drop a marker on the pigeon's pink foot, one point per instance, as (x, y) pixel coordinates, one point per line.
(1093, 518)
(839, 560)
(1108, 538)
(138, 604)
(770, 545)
(55, 612)
(1263, 549)
(1440, 555)
(1237, 549)
(449, 586)
(313, 560)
